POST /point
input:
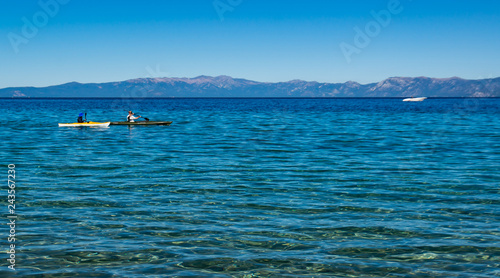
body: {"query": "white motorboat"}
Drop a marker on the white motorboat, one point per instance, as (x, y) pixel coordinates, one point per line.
(414, 99)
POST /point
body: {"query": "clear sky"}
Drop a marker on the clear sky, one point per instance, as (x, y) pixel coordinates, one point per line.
(317, 40)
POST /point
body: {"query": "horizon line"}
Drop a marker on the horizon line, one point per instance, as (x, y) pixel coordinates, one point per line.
(27, 98)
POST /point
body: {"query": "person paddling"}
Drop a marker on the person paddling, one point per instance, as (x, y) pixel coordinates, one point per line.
(131, 117)
(80, 118)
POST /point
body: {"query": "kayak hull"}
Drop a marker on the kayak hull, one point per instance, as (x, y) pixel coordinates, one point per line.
(89, 124)
(414, 99)
(141, 123)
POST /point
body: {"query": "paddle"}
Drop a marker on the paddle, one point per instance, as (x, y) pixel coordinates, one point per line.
(146, 119)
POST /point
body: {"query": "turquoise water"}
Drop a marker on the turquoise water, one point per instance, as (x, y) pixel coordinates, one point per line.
(255, 188)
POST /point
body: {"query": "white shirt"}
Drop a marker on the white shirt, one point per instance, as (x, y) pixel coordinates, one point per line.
(131, 118)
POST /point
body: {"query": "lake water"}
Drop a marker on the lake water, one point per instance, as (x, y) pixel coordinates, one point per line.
(254, 188)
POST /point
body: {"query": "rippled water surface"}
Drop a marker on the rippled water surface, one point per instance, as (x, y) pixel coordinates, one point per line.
(255, 188)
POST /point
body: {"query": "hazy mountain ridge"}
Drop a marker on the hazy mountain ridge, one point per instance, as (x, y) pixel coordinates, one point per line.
(225, 86)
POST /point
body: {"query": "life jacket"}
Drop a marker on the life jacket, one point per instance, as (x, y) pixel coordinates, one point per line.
(80, 119)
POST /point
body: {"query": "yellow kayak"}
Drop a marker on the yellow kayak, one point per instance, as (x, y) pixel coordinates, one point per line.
(91, 124)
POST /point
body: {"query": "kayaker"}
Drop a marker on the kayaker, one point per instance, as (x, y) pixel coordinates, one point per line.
(131, 117)
(80, 118)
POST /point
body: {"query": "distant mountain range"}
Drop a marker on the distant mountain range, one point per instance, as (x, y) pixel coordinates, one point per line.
(225, 86)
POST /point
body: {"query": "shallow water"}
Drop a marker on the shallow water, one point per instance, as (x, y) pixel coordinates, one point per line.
(255, 188)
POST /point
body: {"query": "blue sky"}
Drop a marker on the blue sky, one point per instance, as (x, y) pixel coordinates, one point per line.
(102, 41)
